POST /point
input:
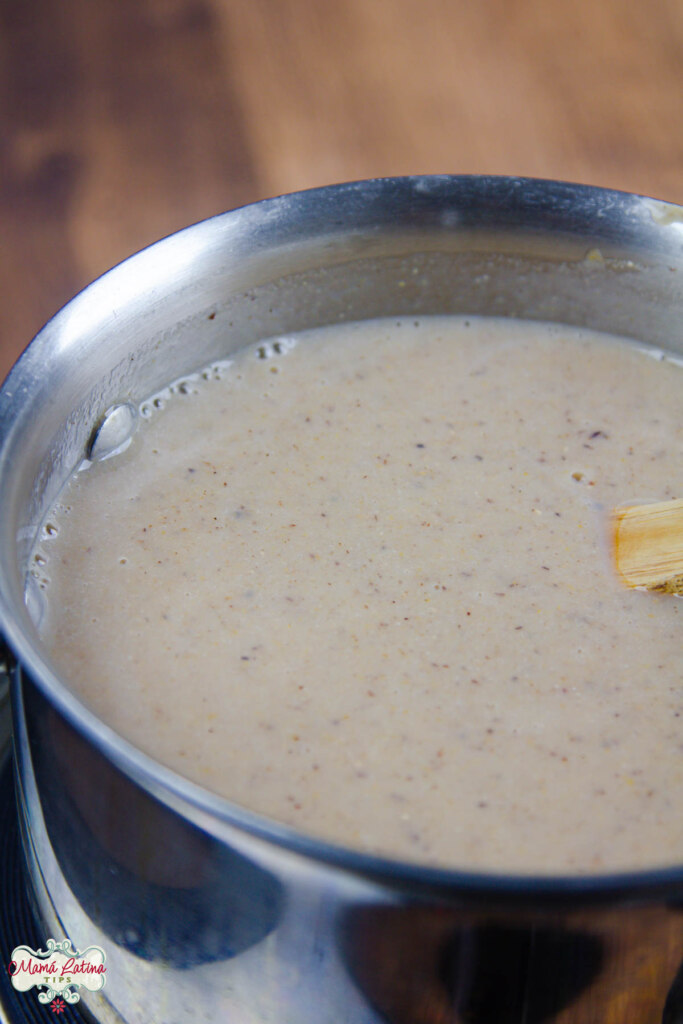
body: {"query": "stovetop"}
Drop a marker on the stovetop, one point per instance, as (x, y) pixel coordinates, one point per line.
(17, 922)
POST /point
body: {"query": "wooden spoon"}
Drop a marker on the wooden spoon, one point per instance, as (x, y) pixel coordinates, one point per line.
(648, 546)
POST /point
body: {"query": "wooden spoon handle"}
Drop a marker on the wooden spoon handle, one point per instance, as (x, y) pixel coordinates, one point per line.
(648, 545)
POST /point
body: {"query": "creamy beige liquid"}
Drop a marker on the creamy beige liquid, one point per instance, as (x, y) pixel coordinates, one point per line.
(361, 583)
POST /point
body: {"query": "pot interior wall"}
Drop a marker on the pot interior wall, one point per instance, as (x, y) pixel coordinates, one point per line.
(129, 357)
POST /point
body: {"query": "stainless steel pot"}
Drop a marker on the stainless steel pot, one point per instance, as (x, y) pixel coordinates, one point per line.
(206, 912)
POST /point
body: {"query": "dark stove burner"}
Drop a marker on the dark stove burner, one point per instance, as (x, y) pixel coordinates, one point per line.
(17, 922)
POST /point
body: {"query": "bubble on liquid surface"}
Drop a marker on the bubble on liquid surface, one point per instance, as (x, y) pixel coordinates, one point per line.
(216, 371)
(113, 433)
(275, 347)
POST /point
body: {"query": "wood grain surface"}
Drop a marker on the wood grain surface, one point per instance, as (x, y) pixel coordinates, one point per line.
(123, 120)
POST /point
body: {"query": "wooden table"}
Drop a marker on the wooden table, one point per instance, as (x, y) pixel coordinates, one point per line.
(123, 120)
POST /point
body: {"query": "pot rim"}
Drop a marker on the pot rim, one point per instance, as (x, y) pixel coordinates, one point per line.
(645, 219)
